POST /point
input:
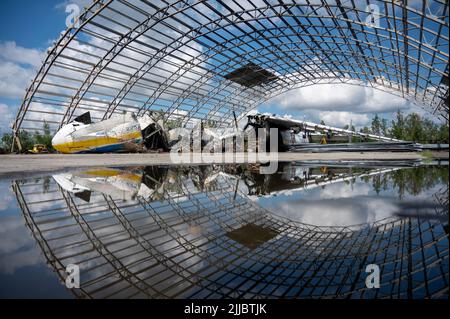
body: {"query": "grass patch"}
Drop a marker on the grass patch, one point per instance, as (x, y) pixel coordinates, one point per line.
(427, 155)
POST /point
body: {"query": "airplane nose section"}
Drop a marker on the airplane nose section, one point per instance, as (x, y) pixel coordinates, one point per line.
(58, 142)
(57, 139)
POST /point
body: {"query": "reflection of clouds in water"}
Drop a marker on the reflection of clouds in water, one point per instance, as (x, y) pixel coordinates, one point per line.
(138, 249)
(17, 247)
(343, 204)
(6, 196)
(44, 200)
(340, 204)
(343, 190)
(20, 259)
(11, 233)
(336, 212)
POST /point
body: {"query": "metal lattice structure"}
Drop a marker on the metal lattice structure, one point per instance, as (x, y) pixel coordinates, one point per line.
(187, 243)
(178, 57)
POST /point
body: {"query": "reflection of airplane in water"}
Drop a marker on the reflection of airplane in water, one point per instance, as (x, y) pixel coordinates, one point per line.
(128, 183)
(157, 183)
(291, 177)
(124, 184)
(196, 234)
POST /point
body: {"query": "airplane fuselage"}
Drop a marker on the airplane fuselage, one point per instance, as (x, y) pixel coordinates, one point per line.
(111, 135)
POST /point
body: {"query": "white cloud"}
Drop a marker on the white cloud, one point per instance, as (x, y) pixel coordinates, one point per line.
(340, 97)
(324, 97)
(6, 117)
(341, 119)
(14, 79)
(9, 51)
(338, 104)
(17, 67)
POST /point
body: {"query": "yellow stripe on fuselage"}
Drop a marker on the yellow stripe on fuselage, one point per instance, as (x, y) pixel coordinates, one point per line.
(86, 145)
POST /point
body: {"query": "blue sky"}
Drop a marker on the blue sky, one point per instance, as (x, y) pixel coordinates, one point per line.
(29, 27)
(30, 23)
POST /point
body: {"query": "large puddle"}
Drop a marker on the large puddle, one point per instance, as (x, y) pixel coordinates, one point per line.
(309, 230)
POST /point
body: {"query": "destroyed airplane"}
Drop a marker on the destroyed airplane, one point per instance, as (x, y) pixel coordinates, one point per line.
(294, 133)
(124, 133)
(129, 133)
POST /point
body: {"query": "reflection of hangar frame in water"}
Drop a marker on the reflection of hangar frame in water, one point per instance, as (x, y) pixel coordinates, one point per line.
(202, 60)
(190, 241)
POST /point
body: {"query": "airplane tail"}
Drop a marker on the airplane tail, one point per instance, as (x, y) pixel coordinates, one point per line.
(84, 118)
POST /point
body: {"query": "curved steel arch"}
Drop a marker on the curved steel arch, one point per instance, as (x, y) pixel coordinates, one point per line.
(173, 56)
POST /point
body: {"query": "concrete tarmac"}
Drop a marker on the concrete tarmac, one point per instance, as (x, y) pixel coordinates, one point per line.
(22, 164)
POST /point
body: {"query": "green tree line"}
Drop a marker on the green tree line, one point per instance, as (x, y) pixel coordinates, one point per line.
(27, 139)
(409, 181)
(409, 127)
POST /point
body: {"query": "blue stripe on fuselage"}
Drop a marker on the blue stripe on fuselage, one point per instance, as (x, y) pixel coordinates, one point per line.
(109, 148)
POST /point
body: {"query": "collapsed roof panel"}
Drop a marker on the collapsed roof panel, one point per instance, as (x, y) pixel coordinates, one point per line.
(251, 75)
(252, 235)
